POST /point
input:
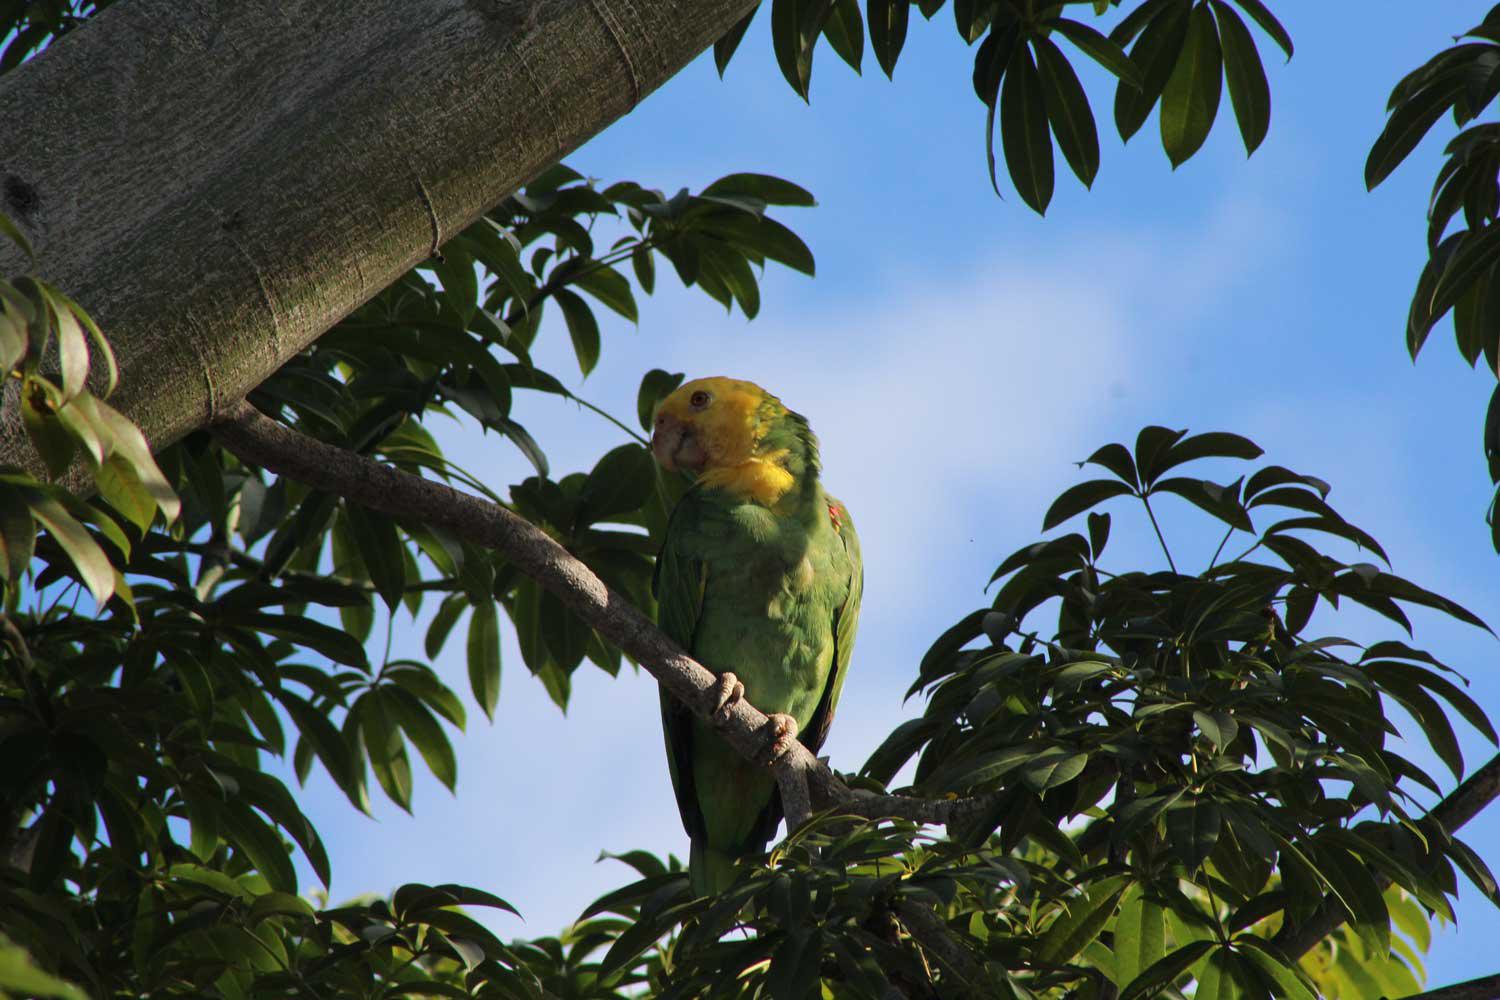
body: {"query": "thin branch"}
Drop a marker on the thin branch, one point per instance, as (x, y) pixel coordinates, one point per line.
(931, 932)
(1460, 806)
(257, 439)
(1487, 988)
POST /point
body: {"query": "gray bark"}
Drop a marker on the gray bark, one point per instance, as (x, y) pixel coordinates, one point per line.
(218, 183)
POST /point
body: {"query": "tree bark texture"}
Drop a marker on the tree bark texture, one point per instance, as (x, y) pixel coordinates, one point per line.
(219, 183)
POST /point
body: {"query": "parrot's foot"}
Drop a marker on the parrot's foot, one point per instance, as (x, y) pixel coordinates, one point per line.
(730, 691)
(780, 733)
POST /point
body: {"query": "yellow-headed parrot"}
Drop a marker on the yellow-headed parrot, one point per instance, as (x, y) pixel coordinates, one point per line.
(759, 578)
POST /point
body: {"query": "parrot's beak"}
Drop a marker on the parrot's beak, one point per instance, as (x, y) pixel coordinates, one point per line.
(675, 446)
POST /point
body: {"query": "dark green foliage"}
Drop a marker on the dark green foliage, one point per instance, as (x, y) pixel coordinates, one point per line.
(143, 716)
(1459, 276)
(1172, 769)
(1181, 54)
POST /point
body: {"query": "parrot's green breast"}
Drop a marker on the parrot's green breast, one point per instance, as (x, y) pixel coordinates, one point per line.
(777, 598)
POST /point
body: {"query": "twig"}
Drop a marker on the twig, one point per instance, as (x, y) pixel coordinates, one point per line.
(924, 924)
(259, 440)
(1487, 988)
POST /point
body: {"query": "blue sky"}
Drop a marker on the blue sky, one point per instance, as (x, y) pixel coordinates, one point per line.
(956, 354)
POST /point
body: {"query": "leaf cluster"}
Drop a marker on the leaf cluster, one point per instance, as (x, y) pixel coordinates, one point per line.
(1463, 240)
(1179, 54)
(1171, 774)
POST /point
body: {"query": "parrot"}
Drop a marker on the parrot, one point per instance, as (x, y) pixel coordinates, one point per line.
(759, 578)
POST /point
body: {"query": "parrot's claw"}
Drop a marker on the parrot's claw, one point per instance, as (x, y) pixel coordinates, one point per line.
(780, 733)
(730, 691)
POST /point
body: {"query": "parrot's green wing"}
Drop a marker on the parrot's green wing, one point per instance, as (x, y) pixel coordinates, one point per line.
(678, 583)
(846, 620)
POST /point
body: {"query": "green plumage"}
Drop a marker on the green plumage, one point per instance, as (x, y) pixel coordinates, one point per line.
(771, 594)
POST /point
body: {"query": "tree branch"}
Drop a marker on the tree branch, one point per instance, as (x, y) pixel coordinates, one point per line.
(1457, 808)
(1487, 988)
(806, 783)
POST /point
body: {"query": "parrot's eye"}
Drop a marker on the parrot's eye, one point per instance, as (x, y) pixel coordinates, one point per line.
(699, 399)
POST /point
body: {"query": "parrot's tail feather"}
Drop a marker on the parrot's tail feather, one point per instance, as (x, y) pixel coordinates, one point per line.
(710, 871)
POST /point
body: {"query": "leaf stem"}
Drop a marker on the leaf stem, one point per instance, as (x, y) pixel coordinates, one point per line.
(610, 417)
(1146, 499)
(1218, 551)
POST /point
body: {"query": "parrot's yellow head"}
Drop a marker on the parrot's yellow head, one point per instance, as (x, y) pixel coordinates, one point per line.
(717, 428)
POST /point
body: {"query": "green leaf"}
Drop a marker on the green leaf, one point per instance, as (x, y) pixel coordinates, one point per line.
(484, 656)
(1023, 131)
(12, 232)
(1275, 968)
(1077, 499)
(725, 47)
(888, 21)
(1190, 100)
(611, 288)
(1140, 935)
(620, 483)
(583, 328)
(1099, 48)
(18, 975)
(380, 550)
(442, 623)
(1218, 726)
(795, 25)
(17, 532)
(523, 440)
(259, 842)
(1408, 123)
(88, 559)
(762, 188)
(644, 264)
(124, 491)
(455, 269)
(40, 402)
(328, 744)
(1082, 921)
(1249, 92)
(330, 642)
(1155, 52)
(1477, 254)
(1165, 971)
(279, 904)
(72, 349)
(424, 732)
(1068, 111)
(845, 31)
(1054, 767)
(1116, 458)
(655, 386)
(384, 746)
(1268, 24)
(13, 344)
(129, 443)
(1193, 828)
(768, 237)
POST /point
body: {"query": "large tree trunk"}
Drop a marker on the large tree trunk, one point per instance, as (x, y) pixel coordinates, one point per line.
(219, 183)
